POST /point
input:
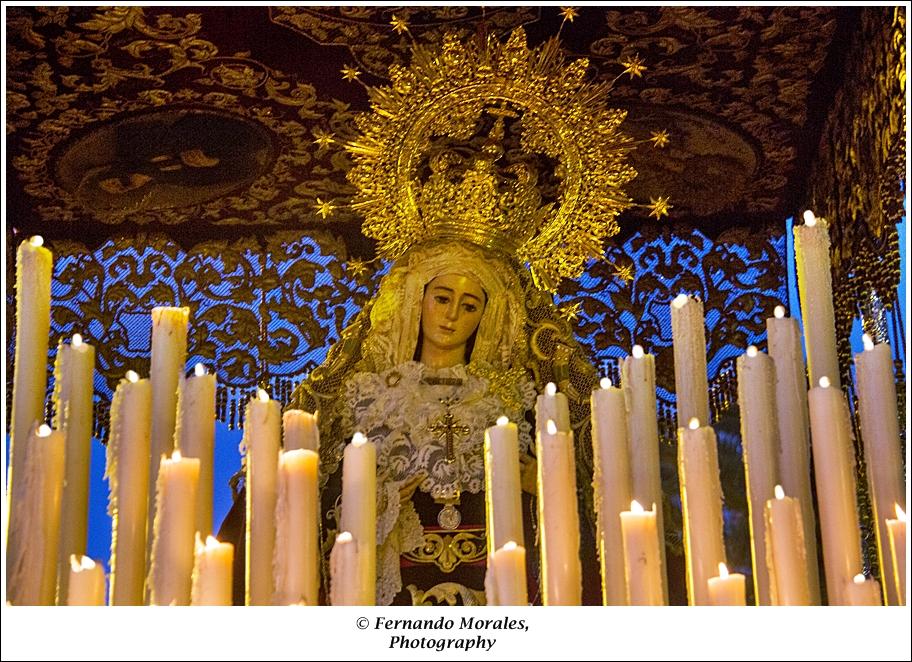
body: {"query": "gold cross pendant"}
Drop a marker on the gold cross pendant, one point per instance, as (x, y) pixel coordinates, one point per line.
(446, 428)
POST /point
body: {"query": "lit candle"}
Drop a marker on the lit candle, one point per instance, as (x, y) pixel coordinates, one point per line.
(877, 408)
(32, 563)
(552, 406)
(834, 470)
(760, 441)
(345, 572)
(297, 572)
(34, 265)
(195, 436)
(784, 341)
(896, 530)
(359, 510)
(727, 589)
(643, 567)
(262, 431)
(508, 570)
(815, 290)
(127, 471)
(212, 573)
(86, 583)
(786, 552)
(612, 486)
(300, 430)
(689, 336)
(558, 516)
(638, 382)
(73, 400)
(701, 504)
(170, 578)
(503, 491)
(862, 592)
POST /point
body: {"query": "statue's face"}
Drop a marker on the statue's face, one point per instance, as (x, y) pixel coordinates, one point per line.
(451, 310)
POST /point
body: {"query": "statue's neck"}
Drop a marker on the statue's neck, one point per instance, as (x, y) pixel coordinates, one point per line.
(437, 358)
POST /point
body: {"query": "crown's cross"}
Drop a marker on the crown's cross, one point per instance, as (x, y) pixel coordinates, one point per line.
(446, 428)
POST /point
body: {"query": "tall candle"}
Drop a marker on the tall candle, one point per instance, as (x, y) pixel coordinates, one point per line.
(297, 571)
(726, 589)
(552, 406)
(508, 570)
(359, 511)
(701, 504)
(689, 336)
(786, 558)
(86, 583)
(212, 575)
(73, 399)
(34, 265)
(784, 341)
(503, 492)
(815, 288)
(760, 441)
(262, 431)
(638, 382)
(880, 437)
(170, 577)
(643, 567)
(834, 470)
(32, 563)
(300, 430)
(862, 592)
(558, 517)
(896, 530)
(127, 471)
(346, 575)
(194, 436)
(612, 486)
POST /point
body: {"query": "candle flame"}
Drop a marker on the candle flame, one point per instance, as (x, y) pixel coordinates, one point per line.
(723, 570)
(510, 545)
(680, 300)
(37, 241)
(550, 388)
(779, 492)
(809, 219)
(694, 423)
(859, 578)
(637, 352)
(824, 382)
(345, 537)
(81, 562)
(176, 455)
(900, 513)
(77, 340)
(605, 382)
(779, 312)
(551, 427)
(868, 343)
(752, 351)
(211, 541)
(359, 439)
(262, 395)
(132, 376)
(635, 507)
(44, 430)
(503, 420)
(199, 370)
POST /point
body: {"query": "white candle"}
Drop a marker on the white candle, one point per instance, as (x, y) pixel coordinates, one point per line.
(262, 431)
(815, 289)
(727, 589)
(73, 400)
(786, 558)
(34, 265)
(612, 486)
(689, 336)
(168, 355)
(86, 583)
(643, 567)
(701, 504)
(194, 436)
(784, 341)
(896, 530)
(32, 563)
(503, 491)
(638, 382)
(300, 430)
(127, 471)
(346, 575)
(508, 571)
(834, 470)
(558, 517)
(861, 592)
(760, 441)
(877, 408)
(359, 510)
(297, 570)
(170, 577)
(212, 573)
(552, 406)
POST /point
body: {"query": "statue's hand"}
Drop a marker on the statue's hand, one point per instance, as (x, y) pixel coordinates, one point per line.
(408, 488)
(528, 473)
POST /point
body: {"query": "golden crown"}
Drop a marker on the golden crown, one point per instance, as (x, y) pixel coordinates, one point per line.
(495, 143)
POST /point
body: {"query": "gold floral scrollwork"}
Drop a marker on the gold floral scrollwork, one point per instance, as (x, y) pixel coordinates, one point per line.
(449, 550)
(447, 592)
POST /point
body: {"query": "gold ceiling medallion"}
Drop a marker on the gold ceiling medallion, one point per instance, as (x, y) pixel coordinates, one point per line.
(509, 147)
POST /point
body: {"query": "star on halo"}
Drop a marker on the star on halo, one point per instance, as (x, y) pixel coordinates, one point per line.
(324, 209)
(571, 312)
(634, 66)
(349, 73)
(569, 13)
(659, 138)
(659, 207)
(399, 24)
(323, 139)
